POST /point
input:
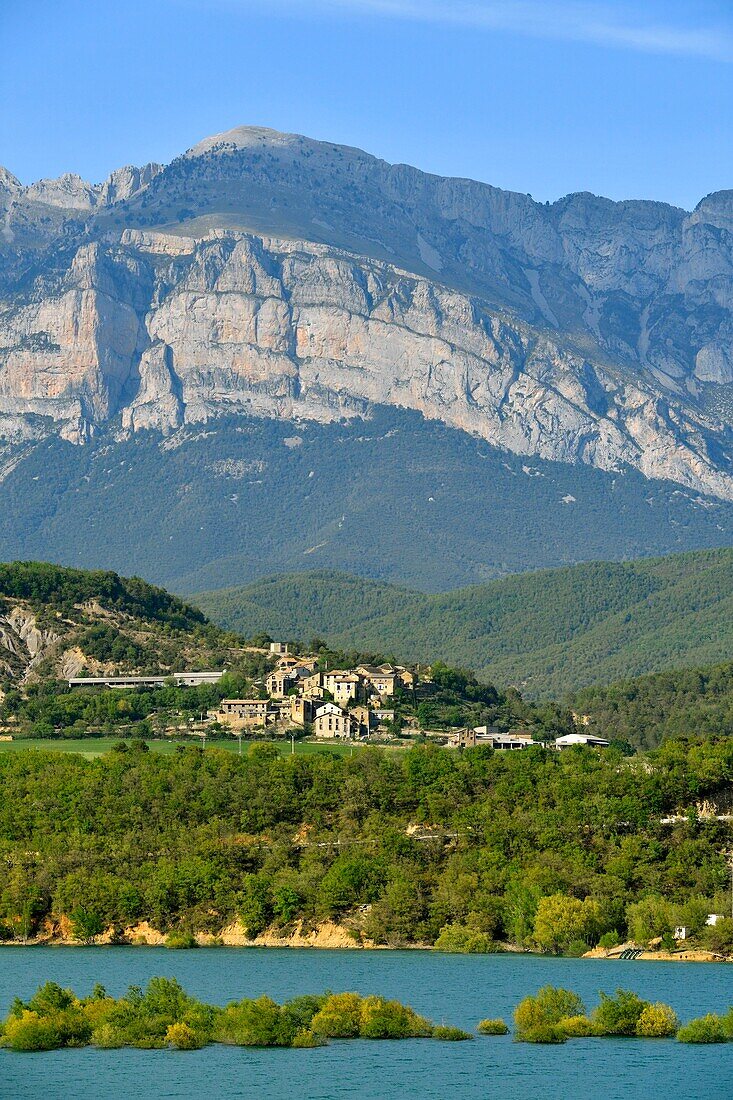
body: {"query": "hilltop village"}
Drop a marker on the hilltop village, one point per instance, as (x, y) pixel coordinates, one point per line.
(350, 704)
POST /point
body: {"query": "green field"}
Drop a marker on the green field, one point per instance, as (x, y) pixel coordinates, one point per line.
(97, 746)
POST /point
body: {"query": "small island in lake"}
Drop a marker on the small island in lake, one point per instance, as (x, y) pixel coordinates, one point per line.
(165, 1016)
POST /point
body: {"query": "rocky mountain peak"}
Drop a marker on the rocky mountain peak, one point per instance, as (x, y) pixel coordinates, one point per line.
(68, 191)
(274, 275)
(8, 182)
(124, 183)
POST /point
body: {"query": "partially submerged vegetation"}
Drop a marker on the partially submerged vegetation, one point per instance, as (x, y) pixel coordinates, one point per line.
(555, 1015)
(165, 1016)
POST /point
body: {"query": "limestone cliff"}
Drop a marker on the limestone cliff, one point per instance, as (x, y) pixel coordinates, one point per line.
(271, 275)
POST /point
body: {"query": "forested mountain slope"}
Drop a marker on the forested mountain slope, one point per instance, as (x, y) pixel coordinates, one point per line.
(540, 848)
(393, 497)
(648, 709)
(546, 632)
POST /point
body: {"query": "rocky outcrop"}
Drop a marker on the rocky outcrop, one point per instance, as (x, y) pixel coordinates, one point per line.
(270, 275)
(23, 644)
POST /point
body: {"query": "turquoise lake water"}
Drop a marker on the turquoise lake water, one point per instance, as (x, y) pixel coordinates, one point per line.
(452, 989)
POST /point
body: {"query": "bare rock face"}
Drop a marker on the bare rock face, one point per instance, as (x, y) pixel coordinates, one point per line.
(23, 644)
(266, 274)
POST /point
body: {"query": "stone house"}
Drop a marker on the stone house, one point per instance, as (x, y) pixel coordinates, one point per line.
(343, 685)
(331, 722)
(302, 709)
(311, 686)
(379, 679)
(242, 713)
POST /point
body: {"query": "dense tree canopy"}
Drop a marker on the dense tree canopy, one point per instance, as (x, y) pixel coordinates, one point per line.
(540, 848)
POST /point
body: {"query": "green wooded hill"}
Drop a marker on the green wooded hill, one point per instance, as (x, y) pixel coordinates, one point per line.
(53, 618)
(547, 632)
(647, 710)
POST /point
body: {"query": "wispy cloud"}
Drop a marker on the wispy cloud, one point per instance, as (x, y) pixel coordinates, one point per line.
(617, 25)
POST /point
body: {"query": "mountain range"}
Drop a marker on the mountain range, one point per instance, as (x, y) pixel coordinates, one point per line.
(154, 324)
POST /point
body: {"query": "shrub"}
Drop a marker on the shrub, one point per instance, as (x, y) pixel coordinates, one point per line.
(618, 1015)
(108, 1037)
(30, 1031)
(728, 1023)
(380, 1019)
(546, 1008)
(543, 1033)
(450, 1034)
(705, 1029)
(339, 1017)
(492, 1027)
(609, 939)
(576, 949)
(657, 1021)
(301, 1010)
(51, 998)
(180, 940)
(457, 939)
(304, 1040)
(577, 1027)
(255, 1023)
(183, 1037)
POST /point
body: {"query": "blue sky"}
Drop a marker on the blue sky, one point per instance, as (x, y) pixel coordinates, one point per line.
(630, 100)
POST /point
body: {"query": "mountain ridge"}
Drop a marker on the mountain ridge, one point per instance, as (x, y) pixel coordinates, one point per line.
(267, 277)
(326, 280)
(545, 632)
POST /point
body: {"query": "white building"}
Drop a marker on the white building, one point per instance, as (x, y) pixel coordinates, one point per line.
(569, 740)
(181, 679)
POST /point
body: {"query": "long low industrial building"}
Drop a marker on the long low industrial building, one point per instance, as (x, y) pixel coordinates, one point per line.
(181, 679)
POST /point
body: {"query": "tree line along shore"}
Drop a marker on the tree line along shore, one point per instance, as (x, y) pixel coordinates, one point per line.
(475, 851)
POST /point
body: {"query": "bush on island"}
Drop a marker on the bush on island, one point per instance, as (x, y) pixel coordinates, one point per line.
(165, 1016)
(545, 1010)
(657, 1021)
(543, 1033)
(577, 1027)
(618, 1015)
(339, 1017)
(705, 1029)
(305, 1040)
(180, 940)
(183, 1037)
(381, 1019)
(492, 1027)
(450, 1034)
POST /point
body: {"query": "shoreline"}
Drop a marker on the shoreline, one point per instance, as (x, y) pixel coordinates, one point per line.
(327, 936)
